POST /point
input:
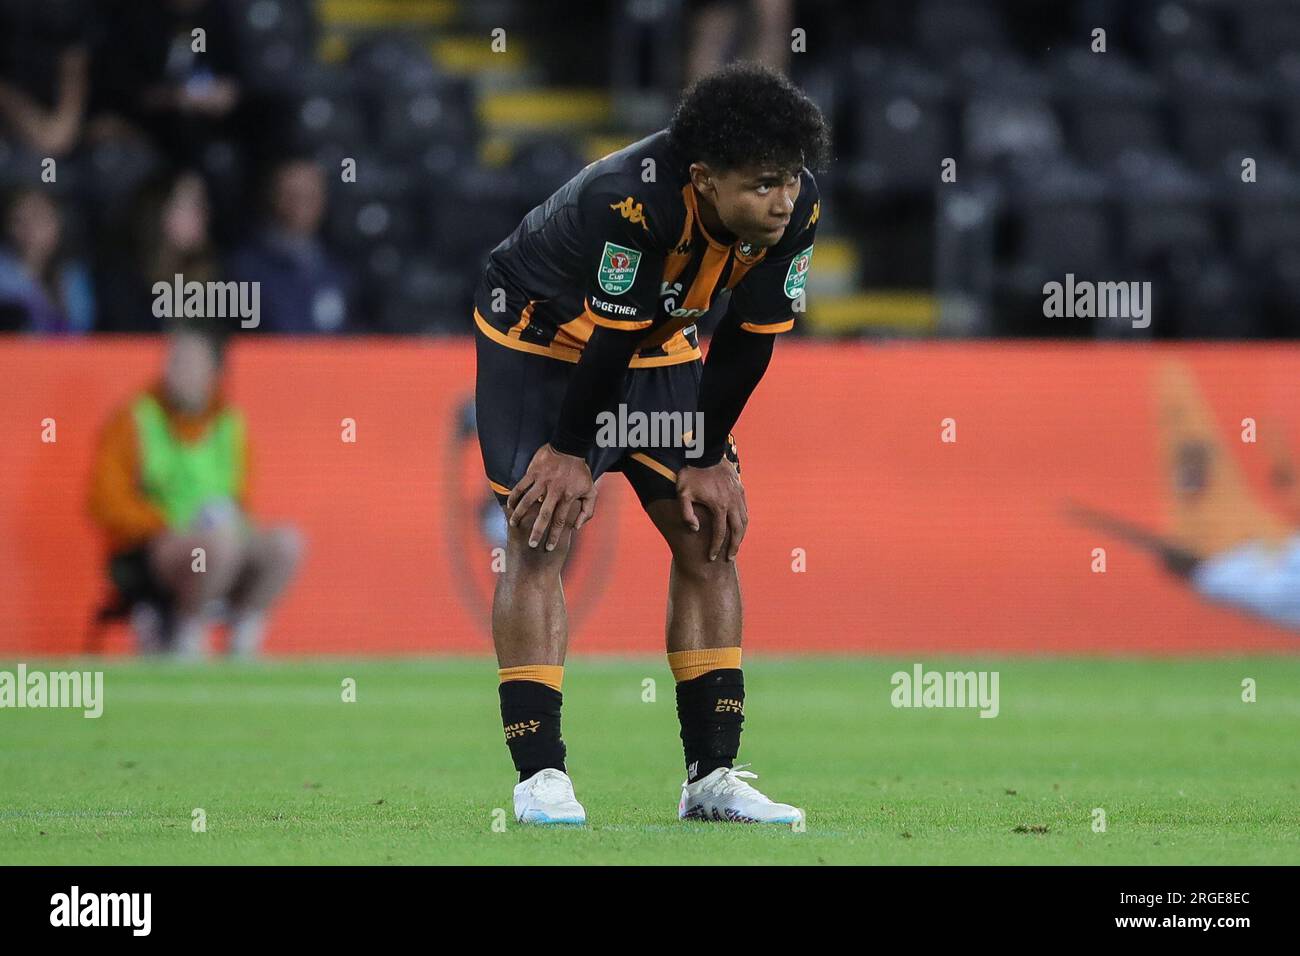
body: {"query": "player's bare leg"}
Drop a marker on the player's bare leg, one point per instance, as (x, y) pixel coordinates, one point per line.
(704, 607)
(530, 623)
(530, 629)
(703, 640)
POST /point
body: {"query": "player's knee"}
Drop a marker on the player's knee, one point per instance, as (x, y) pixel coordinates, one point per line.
(522, 559)
(698, 569)
(691, 553)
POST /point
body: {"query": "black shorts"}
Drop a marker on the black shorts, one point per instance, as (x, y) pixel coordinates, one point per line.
(517, 399)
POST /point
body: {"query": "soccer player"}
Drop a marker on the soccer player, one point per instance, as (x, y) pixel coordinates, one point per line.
(591, 304)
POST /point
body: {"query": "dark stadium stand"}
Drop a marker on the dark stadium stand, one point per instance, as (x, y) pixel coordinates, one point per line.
(1124, 164)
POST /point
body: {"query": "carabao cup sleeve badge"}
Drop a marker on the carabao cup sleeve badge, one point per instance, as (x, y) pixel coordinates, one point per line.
(618, 267)
(798, 274)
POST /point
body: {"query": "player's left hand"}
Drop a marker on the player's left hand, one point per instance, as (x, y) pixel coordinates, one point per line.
(717, 488)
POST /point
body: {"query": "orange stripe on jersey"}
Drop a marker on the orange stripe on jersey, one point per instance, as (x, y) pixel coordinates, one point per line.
(700, 294)
(654, 465)
(524, 318)
(674, 357)
(698, 297)
(576, 331)
(496, 335)
(684, 352)
(785, 326)
(670, 330)
(677, 261)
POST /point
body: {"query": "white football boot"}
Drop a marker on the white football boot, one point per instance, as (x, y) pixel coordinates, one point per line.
(724, 796)
(547, 797)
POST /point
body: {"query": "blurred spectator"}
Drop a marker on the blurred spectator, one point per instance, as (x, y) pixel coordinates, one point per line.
(42, 289)
(715, 23)
(170, 476)
(166, 232)
(150, 80)
(303, 288)
(44, 66)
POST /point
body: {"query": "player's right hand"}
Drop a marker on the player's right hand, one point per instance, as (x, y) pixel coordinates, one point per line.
(562, 483)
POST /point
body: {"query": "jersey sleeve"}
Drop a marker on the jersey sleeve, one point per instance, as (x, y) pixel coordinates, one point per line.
(622, 258)
(763, 301)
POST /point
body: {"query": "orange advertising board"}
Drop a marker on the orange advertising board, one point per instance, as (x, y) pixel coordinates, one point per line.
(904, 499)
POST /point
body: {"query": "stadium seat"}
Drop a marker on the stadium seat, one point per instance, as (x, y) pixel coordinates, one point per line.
(1166, 30)
(947, 29)
(478, 209)
(903, 123)
(328, 115)
(1205, 296)
(1266, 33)
(411, 120)
(276, 42)
(1278, 279)
(1167, 211)
(1106, 131)
(1082, 75)
(1060, 221)
(388, 63)
(1266, 221)
(548, 162)
(1065, 235)
(997, 128)
(425, 300)
(374, 210)
(1217, 131)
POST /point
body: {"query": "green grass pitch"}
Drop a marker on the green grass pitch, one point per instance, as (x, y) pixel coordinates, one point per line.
(286, 772)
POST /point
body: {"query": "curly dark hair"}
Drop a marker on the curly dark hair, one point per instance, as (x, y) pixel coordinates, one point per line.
(748, 114)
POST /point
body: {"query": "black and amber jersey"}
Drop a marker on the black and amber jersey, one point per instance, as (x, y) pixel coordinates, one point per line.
(621, 245)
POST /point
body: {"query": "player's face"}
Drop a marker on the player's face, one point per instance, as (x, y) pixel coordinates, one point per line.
(756, 202)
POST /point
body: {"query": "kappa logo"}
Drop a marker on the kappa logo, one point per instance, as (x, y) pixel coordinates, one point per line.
(816, 214)
(684, 246)
(631, 210)
(746, 249)
(797, 276)
(618, 265)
